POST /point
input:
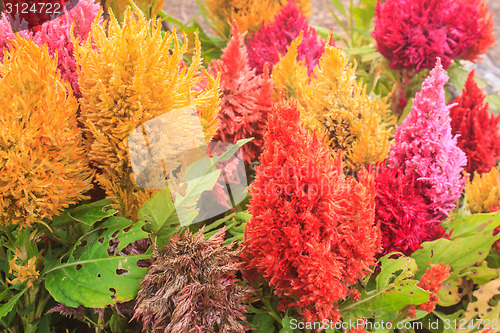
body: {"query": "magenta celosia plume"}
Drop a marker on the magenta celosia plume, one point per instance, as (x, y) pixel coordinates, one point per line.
(403, 213)
(312, 232)
(479, 132)
(272, 39)
(56, 34)
(425, 149)
(246, 98)
(412, 34)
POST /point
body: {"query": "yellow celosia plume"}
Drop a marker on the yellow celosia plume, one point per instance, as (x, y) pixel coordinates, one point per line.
(23, 273)
(290, 75)
(43, 167)
(128, 76)
(248, 14)
(335, 104)
(483, 193)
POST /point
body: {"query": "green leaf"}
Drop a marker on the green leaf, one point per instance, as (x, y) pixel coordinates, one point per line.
(482, 273)
(340, 7)
(91, 276)
(264, 323)
(385, 302)
(473, 225)
(459, 253)
(93, 212)
(6, 308)
(158, 211)
(389, 267)
(286, 322)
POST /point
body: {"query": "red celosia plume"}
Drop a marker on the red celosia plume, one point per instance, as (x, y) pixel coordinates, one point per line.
(312, 232)
(412, 34)
(246, 98)
(478, 131)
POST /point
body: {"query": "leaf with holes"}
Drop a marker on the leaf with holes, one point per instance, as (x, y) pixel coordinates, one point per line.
(482, 307)
(458, 253)
(94, 274)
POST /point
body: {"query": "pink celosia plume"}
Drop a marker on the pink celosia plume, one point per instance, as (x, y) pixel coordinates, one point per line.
(425, 148)
(271, 41)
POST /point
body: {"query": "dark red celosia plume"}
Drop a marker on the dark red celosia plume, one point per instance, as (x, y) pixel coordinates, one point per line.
(479, 135)
(312, 232)
(412, 34)
(404, 216)
(271, 41)
(245, 100)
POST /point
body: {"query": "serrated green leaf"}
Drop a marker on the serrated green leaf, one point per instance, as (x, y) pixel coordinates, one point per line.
(92, 277)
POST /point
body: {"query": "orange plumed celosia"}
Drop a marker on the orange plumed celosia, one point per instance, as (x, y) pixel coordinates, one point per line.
(335, 104)
(129, 75)
(483, 193)
(248, 14)
(43, 168)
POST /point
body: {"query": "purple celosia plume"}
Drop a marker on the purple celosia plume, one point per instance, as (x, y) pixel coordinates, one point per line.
(56, 34)
(271, 41)
(426, 150)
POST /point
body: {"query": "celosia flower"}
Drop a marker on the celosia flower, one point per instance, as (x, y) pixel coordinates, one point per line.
(432, 280)
(56, 34)
(338, 105)
(272, 39)
(133, 76)
(403, 214)
(23, 273)
(426, 150)
(190, 287)
(249, 15)
(413, 34)
(312, 232)
(483, 192)
(486, 29)
(478, 132)
(246, 98)
(290, 76)
(43, 168)
(77, 313)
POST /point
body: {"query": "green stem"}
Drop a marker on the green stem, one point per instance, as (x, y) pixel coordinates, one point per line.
(271, 310)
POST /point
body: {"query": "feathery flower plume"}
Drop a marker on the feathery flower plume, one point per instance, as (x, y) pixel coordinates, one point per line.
(248, 14)
(57, 35)
(338, 105)
(133, 76)
(246, 98)
(413, 34)
(190, 287)
(43, 168)
(402, 212)
(312, 232)
(23, 273)
(486, 29)
(272, 39)
(432, 280)
(425, 149)
(290, 76)
(478, 132)
(483, 192)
